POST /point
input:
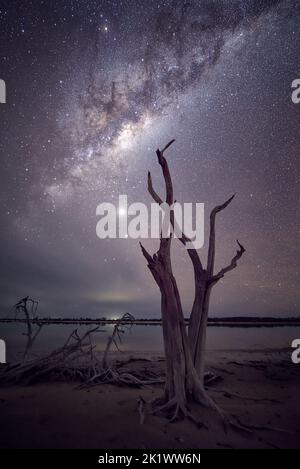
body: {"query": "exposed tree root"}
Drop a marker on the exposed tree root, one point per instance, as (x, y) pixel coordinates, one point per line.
(247, 398)
(174, 410)
(263, 427)
(114, 376)
(211, 378)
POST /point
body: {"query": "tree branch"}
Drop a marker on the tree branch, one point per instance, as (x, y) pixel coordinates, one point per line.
(146, 254)
(212, 236)
(232, 265)
(152, 192)
(166, 173)
(165, 243)
(168, 145)
(156, 197)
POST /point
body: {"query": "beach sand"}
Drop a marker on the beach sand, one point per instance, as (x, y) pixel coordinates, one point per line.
(260, 388)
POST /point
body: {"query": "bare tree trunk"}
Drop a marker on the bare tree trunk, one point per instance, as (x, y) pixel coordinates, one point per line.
(182, 382)
(197, 328)
(204, 282)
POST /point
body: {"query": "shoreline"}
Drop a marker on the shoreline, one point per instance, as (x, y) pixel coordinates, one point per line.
(226, 322)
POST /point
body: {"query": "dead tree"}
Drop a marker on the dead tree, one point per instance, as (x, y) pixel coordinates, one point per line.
(115, 337)
(184, 352)
(30, 315)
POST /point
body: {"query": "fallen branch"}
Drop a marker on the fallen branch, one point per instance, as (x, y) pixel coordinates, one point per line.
(141, 409)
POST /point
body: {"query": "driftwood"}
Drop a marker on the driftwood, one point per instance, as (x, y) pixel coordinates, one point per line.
(76, 360)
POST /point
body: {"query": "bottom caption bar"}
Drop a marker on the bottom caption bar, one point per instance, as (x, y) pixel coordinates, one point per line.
(142, 457)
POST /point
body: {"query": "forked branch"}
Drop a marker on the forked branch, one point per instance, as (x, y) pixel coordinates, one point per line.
(232, 265)
(167, 176)
(212, 236)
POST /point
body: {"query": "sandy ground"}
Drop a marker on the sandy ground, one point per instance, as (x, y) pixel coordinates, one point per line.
(261, 388)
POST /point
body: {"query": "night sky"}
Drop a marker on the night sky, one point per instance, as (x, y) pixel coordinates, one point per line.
(93, 88)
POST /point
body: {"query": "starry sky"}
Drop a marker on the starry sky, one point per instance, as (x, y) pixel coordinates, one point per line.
(93, 88)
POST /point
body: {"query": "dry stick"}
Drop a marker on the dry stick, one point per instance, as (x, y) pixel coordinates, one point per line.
(141, 406)
(112, 339)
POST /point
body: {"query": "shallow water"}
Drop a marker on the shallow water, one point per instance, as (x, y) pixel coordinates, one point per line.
(149, 338)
